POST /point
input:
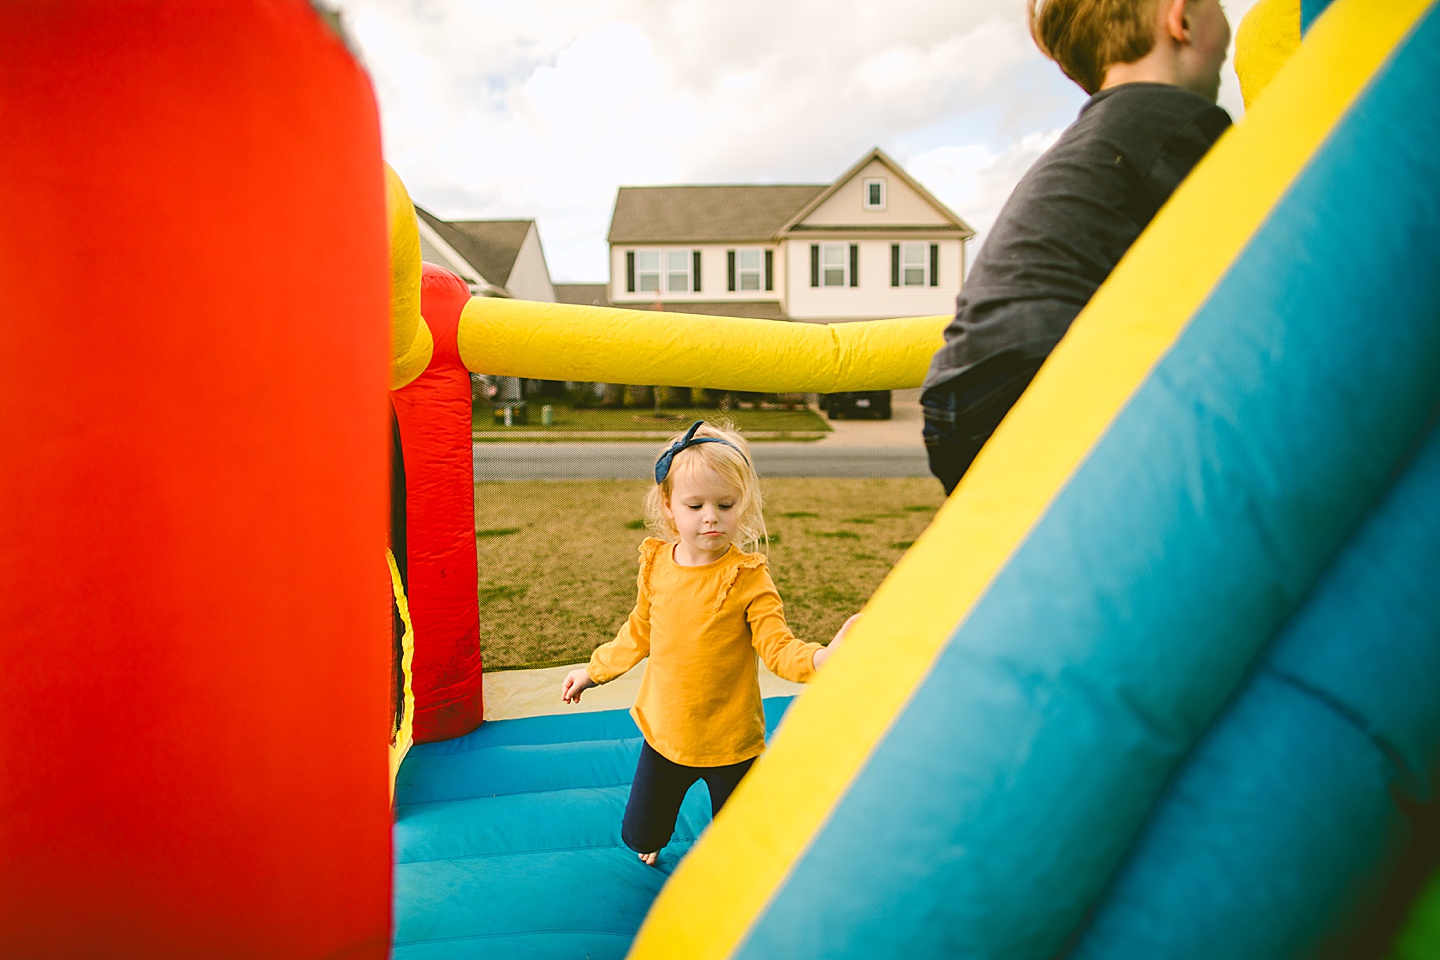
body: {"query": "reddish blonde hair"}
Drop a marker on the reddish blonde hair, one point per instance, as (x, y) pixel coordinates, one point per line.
(1085, 37)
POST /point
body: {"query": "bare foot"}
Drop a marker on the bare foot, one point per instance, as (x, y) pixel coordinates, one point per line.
(650, 858)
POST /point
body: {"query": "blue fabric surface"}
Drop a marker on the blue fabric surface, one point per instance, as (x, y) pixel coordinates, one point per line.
(990, 818)
(507, 840)
(1282, 828)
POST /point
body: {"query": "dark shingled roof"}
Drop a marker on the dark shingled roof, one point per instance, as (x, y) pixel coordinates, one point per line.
(585, 294)
(724, 214)
(490, 246)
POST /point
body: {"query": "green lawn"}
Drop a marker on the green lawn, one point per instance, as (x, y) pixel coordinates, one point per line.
(557, 557)
(568, 419)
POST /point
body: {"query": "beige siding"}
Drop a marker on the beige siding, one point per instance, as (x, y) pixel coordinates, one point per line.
(530, 277)
(874, 298)
(903, 206)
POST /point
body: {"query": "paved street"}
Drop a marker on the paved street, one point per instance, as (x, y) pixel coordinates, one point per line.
(856, 448)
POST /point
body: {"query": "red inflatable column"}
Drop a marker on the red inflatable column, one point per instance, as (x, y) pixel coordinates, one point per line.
(194, 628)
(435, 430)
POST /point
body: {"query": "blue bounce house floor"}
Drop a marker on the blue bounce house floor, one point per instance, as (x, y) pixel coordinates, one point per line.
(507, 840)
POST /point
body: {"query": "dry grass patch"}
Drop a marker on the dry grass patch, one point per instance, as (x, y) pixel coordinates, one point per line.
(558, 557)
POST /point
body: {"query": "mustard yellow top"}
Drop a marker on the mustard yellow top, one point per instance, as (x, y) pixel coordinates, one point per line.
(699, 701)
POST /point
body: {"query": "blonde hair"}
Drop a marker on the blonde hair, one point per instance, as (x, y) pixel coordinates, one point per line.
(1086, 37)
(733, 465)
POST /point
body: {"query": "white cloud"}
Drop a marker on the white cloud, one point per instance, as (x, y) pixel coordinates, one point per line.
(496, 109)
(974, 180)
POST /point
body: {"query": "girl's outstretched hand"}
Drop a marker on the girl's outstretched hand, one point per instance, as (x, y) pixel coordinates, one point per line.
(575, 681)
(844, 629)
(823, 653)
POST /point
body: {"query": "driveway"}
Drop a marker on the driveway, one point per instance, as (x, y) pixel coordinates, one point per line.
(900, 431)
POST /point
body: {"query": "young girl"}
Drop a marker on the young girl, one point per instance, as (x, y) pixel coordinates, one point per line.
(705, 608)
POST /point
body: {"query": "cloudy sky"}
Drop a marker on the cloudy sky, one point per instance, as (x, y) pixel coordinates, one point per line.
(541, 109)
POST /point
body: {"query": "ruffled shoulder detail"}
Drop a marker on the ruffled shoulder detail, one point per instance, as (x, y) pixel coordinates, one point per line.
(650, 549)
(747, 561)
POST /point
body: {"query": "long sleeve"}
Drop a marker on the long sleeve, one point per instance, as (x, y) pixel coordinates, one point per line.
(630, 646)
(787, 656)
(632, 643)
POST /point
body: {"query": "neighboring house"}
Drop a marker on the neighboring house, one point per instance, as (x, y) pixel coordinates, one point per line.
(497, 258)
(873, 244)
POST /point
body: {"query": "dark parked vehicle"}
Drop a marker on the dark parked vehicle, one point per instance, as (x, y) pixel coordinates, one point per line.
(860, 403)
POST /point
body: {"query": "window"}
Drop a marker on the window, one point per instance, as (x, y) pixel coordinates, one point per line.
(680, 270)
(914, 265)
(834, 265)
(647, 271)
(749, 270)
(875, 194)
(677, 271)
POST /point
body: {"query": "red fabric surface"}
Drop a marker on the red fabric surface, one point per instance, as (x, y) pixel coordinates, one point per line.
(435, 431)
(193, 361)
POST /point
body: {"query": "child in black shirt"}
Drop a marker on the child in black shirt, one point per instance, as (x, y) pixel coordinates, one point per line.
(1153, 72)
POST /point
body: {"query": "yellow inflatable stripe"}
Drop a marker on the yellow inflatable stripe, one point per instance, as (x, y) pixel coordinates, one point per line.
(410, 342)
(719, 891)
(405, 737)
(1268, 36)
(559, 341)
(413, 362)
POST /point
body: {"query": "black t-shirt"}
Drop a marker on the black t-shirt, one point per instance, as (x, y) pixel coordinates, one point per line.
(1070, 220)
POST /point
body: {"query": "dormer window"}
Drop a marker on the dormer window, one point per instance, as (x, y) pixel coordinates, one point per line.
(875, 193)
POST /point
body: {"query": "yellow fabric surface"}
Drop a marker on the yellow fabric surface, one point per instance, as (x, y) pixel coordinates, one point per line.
(410, 342)
(706, 909)
(560, 341)
(701, 627)
(405, 368)
(1265, 39)
(405, 737)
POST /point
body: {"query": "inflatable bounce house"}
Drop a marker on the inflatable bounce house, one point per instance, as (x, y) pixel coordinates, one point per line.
(1161, 680)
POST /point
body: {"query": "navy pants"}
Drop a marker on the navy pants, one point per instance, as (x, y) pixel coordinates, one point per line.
(660, 787)
(961, 414)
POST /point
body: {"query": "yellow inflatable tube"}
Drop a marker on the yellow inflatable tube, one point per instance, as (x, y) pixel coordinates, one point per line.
(1268, 36)
(410, 342)
(561, 341)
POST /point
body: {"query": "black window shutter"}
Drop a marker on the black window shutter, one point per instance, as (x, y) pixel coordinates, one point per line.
(894, 264)
(934, 264)
(730, 269)
(814, 264)
(854, 264)
(695, 283)
(629, 271)
(769, 269)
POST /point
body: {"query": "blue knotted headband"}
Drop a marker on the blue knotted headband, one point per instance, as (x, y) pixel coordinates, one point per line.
(662, 466)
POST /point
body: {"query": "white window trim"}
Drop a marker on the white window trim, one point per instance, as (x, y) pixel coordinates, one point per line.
(865, 194)
(924, 249)
(844, 249)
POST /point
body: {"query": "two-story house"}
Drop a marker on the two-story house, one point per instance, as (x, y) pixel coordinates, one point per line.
(872, 244)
